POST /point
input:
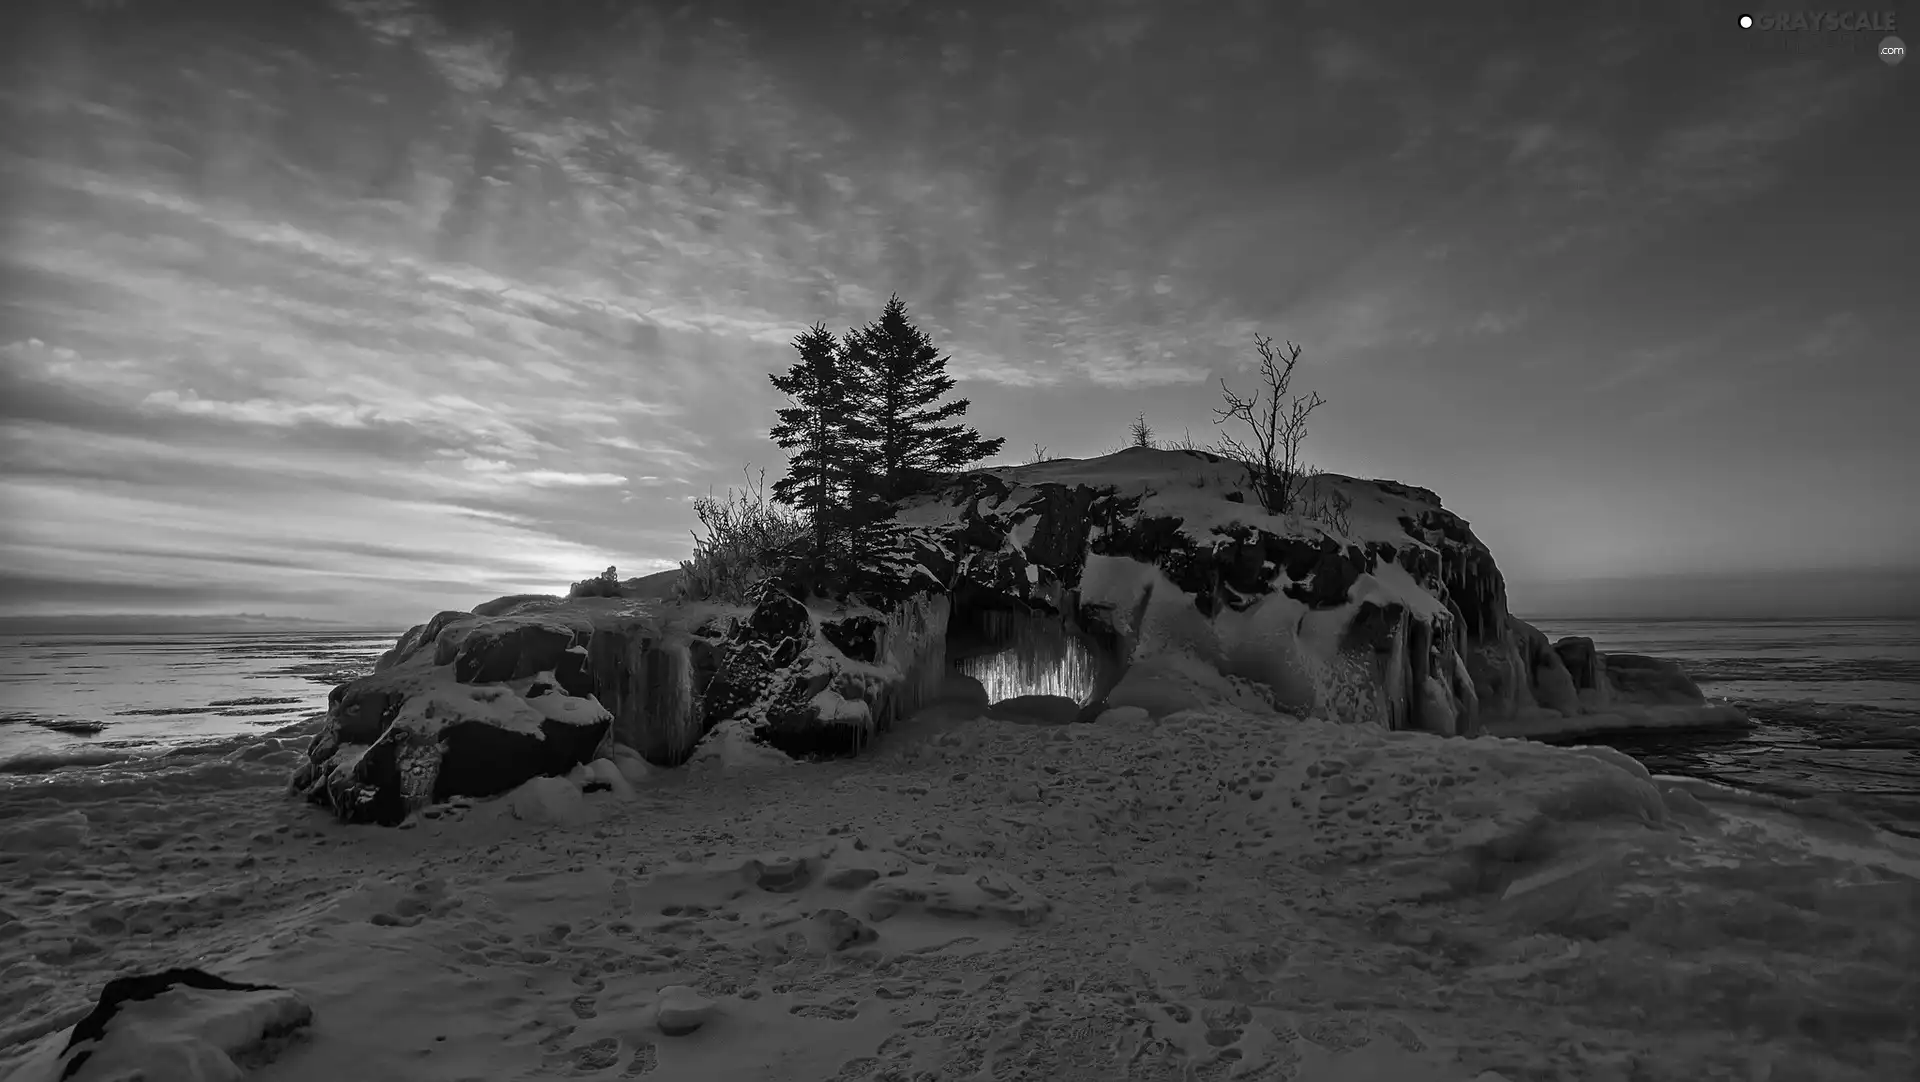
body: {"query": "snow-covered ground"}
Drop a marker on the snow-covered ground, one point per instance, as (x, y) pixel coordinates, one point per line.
(1217, 894)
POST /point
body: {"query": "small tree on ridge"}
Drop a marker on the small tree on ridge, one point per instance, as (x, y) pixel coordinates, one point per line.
(1140, 432)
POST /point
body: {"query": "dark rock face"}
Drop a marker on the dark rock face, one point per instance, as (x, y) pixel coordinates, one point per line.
(481, 759)
(781, 624)
(804, 701)
(416, 637)
(520, 651)
(1650, 680)
(1583, 663)
(858, 637)
(501, 606)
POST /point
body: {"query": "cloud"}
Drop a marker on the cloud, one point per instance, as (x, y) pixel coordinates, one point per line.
(30, 590)
(505, 474)
(317, 543)
(1729, 148)
(1839, 334)
(1337, 59)
(486, 306)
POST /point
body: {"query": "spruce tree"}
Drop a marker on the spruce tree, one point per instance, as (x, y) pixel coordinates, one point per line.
(902, 432)
(818, 431)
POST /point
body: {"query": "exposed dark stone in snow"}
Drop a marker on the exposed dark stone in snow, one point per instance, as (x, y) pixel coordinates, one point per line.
(493, 655)
(360, 712)
(841, 930)
(1650, 680)
(1583, 663)
(218, 1017)
(1038, 710)
(1373, 628)
(481, 759)
(417, 637)
(858, 637)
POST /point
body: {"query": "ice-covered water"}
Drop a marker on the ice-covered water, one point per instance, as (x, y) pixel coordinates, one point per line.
(78, 699)
(1838, 702)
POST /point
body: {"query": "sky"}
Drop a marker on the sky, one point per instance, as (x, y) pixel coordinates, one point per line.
(368, 309)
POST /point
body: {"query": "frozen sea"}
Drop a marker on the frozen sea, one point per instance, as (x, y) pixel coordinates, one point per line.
(72, 701)
(1838, 701)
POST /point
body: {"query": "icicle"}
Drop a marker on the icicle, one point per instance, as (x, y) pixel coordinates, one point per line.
(1039, 655)
(667, 677)
(913, 642)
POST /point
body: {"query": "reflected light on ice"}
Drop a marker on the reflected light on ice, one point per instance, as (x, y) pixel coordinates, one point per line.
(1012, 673)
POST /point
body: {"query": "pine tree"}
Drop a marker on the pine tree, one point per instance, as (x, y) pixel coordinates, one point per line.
(819, 429)
(902, 430)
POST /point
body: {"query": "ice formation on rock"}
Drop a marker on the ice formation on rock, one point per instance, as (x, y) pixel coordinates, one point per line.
(1031, 655)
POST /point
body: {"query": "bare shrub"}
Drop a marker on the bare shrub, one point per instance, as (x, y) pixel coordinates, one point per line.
(1186, 443)
(748, 537)
(1328, 505)
(605, 584)
(1279, 425)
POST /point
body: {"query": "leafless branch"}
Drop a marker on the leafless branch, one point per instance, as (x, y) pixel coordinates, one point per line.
(1277, 421)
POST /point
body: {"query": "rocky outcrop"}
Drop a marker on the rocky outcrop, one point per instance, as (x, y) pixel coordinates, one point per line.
(1398, 618)
(482, 705)
(474, 704)
(1578, 691)
(1144, 579)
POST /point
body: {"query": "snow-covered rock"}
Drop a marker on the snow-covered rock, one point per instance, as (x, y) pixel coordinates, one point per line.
(554, 801)
(68, 830)
(496, 701)
(1395, 616)
(1145, 579)
(681, 1010)
(606, 774)
(178, 1025)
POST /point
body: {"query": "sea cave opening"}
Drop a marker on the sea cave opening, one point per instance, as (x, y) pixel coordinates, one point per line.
(1030, 666)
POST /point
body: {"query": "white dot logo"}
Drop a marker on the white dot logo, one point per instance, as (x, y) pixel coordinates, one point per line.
(1892, 50)
(1746, 22)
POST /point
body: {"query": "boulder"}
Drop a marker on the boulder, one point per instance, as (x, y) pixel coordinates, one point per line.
(553, 801)
(176, 1025)
(1649, 681)
(494, 702)
(681, 1010)
(839, 930)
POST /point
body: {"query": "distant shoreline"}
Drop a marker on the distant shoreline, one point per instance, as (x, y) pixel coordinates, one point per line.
(162, 626)
(135, 624)
(1537, 620)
